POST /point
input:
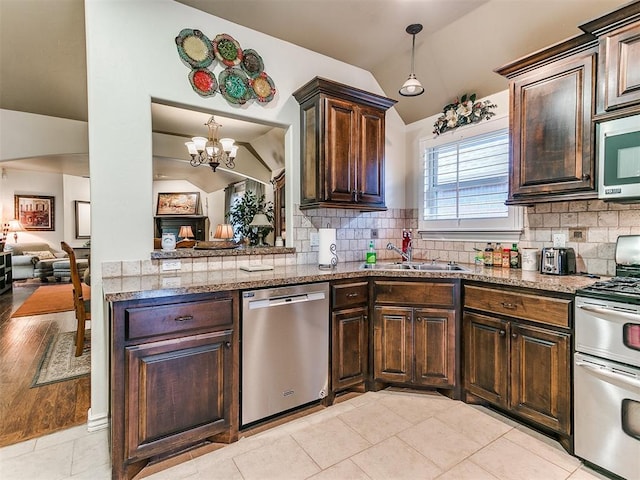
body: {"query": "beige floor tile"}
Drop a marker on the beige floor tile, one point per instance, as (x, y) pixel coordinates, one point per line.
(364, 399)
(394, 459)
(466, 470)
(342, 471)
(50, 463)
(374, 421)
(585, 473)
(62, 436)
(543, 447)
(283, 459)
(330, 442)
(416, 408)
(473, 424)
(16, 450)
(181, 471)
(90, 452)
(509, 461)
(440, 443)
(217, 469)
(101, 472)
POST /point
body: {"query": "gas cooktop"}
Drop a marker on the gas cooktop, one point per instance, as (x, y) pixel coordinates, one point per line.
(620, 289)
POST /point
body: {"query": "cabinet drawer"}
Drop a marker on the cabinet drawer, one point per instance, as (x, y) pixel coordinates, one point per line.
(421, 293)
(349, 294)
(178, 318)
(538, 308)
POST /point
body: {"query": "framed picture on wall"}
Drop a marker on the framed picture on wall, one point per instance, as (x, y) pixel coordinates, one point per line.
(178, 203)
(35, 212)
(83, 219)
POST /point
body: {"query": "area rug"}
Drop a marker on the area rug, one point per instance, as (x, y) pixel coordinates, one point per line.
(50, 299)
(59, 362)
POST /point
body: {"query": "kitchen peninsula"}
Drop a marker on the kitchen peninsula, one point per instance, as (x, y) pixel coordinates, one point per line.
(175, 343)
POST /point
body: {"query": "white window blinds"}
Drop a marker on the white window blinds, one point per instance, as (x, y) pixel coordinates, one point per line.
(467, 179)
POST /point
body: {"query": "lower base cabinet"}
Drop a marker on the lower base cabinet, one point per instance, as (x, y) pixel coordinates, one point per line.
(415, 333)
(174, 377)
(515, 364)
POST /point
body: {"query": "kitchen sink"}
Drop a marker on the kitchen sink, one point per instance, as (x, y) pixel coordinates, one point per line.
(424, 267)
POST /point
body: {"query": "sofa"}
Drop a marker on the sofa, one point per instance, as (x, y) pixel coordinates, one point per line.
(33, 260)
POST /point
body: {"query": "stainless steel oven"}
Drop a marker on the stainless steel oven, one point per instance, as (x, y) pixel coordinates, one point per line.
(607, 367)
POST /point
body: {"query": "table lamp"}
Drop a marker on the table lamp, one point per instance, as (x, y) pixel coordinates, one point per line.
(260, 220)
(15, 226)
(186, 232)
(224, 231)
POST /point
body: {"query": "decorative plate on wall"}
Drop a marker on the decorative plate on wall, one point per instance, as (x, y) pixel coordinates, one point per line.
(252, 63)
(263, 87)
(234, 85)
(227, 50)
(203, 82)
(195, 48)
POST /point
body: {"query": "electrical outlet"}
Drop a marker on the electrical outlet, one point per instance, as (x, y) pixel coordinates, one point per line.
(578, 235)
(374, 233)
(168, 265)
(314, 239)
(559, 240)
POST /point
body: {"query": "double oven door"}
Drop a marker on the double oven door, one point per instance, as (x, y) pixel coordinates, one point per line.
(607, 385)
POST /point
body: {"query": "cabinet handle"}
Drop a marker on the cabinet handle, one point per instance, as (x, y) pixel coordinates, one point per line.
(510, 306)
(502, 333)
(227, 344)
(185, 318)
(352, 295)
(514, 335)
(586, 177)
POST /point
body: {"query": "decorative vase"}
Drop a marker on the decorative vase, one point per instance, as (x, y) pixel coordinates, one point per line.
(168, 242)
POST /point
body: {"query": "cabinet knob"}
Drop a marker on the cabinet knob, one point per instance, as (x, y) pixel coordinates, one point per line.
(418, 319)
(502, 333)
(184, 318)
(227, 344)
(586, 177)
(514, 335)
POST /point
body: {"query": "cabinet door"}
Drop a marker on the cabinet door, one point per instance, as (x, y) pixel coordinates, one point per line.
(178, 393)
(540, 376)
(393, 340)
(349, 347)
(370, 174)
(551, 129)
(620, 74)
(486, 357)
(435, 347)
(341, 155)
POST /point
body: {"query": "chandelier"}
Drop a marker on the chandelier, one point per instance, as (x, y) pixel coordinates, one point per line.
(211, 150)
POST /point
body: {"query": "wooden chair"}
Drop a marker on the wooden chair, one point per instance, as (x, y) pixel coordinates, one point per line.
(82, 306)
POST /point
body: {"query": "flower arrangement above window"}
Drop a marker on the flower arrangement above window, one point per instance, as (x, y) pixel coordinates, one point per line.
(463, 111)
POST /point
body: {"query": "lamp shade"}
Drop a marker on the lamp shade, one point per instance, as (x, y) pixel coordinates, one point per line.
(15, 226)
(186, 231)
(412, 87)
(260, 220)
(224, 231)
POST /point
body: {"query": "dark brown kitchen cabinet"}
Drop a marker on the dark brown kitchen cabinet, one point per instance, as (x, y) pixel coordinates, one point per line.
(415, 340)
(619, 59)
(552, 93)
(349, 334)
(517, 355)
(174, 377)
(342, 146)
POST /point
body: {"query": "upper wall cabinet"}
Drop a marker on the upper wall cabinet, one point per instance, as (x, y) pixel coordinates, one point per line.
(551, 107)
(342, 146)
(619, 60)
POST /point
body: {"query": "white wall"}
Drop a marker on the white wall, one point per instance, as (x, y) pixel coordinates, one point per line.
(132, 58)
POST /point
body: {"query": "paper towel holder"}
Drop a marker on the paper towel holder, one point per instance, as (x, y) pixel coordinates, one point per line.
(334, 259)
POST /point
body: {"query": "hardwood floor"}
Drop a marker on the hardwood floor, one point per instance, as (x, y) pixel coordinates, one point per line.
(27, 412)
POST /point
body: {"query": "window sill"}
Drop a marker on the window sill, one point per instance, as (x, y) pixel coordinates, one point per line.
(503, 236)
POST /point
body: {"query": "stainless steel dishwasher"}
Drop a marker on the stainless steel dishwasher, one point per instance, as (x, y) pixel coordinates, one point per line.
(285, 349)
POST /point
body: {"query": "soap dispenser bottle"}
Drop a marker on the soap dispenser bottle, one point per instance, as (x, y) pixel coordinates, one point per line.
(371, 254)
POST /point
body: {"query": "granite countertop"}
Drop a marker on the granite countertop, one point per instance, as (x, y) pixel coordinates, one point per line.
(174, 283)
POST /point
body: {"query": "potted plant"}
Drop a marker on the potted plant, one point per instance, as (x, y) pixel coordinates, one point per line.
(242, 212)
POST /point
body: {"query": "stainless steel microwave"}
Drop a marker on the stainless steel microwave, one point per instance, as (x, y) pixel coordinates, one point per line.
(619, 158)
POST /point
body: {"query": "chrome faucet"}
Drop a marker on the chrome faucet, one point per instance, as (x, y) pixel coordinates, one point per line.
(406, 256)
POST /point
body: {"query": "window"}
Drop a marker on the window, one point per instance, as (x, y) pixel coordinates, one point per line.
(465, 185)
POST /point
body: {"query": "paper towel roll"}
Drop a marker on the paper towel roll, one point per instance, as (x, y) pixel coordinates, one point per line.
(327, 257)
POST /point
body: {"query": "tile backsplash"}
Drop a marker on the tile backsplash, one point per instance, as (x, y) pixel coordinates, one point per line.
(600, 222)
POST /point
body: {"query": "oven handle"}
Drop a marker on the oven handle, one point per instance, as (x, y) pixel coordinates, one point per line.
(605, 372)
(604, 310)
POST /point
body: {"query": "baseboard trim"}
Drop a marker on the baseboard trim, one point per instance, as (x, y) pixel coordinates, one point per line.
(98, 422)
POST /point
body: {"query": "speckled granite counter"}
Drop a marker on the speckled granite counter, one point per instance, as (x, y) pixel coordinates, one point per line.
(174, 283)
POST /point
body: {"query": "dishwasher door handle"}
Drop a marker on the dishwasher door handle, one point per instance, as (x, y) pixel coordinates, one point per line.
(288, 300)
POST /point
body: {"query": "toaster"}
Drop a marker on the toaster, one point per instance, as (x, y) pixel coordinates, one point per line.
(558, 261)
